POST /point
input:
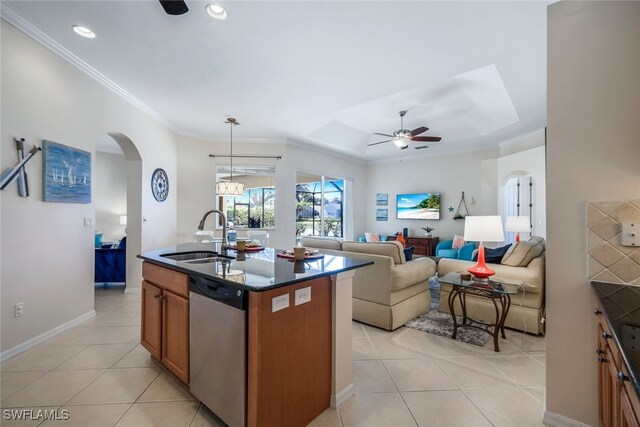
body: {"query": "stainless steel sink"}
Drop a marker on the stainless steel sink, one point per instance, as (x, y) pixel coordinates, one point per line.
(197, 257)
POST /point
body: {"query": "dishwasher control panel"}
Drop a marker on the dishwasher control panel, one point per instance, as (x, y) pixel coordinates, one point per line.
(219, 291)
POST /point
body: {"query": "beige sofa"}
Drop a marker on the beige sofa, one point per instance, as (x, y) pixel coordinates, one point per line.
(390, 292)
(527, 307)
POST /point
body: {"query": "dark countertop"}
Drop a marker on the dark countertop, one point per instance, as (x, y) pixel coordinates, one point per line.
(621, 305)
(255, 271)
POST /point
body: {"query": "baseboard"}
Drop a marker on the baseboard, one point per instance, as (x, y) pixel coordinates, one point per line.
(29, 344)
(132, 290)
(342, 397)
(556, 420)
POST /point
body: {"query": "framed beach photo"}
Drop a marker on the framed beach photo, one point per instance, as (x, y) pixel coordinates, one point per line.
(66, 173)
(382, 199)
(382, 214)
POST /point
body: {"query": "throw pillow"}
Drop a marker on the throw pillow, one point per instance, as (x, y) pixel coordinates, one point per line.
(458, 241)
(493, 255)
(408, 253)
(521, 254)
(400, 238)
(98, 240)
(371, 237)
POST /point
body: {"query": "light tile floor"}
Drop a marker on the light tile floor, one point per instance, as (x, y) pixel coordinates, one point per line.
(99, 373)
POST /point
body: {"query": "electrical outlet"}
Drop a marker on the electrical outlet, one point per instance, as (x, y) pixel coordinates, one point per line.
(303, 295)
(88, 222)
(279, 303)
(19, 309)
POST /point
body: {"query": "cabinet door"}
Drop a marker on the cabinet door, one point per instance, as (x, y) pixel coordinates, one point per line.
(151, 330)
(612, 391)
(175, 335)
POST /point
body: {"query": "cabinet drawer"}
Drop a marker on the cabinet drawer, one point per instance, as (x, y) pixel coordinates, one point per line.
(172, 281)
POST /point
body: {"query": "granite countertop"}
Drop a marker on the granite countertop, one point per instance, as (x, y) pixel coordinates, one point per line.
(621, 305)
(255, 271)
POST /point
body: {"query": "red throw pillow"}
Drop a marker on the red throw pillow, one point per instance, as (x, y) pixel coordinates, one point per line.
(400, 239)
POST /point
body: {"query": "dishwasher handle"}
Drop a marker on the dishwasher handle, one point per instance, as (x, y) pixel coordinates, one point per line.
(219, 291)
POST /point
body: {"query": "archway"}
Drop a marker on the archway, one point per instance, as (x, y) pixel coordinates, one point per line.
(133, 205)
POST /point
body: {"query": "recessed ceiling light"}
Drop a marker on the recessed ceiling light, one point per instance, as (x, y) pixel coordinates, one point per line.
(84, 32)
(216, 11)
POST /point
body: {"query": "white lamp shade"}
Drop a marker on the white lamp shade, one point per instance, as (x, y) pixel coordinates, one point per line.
(518, 224)
(123, 220)
(229, 188)
(483, 229)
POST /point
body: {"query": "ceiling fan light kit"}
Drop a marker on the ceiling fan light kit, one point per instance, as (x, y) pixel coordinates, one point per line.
(402, 137)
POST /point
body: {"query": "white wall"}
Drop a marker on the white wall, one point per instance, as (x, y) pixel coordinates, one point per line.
(530, 162)
(198, 176)
(447, 175)
(110, 197)
(593, 154)
(47, 254)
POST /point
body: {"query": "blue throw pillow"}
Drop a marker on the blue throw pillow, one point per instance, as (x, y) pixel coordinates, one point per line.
(408, 253)
(493, 256)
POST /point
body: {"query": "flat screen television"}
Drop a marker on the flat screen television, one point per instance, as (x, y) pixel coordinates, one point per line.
(418, 206)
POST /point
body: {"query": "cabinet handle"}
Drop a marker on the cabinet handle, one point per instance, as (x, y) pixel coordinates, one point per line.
(622, 377)
(602, 359)
(598, 351)
(606, 336)
(160, 296)
(596, 312)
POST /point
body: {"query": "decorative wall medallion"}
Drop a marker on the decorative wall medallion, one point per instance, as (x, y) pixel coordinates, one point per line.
(160, 185)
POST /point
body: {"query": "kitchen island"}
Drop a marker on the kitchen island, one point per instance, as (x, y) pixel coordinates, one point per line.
(261, 340)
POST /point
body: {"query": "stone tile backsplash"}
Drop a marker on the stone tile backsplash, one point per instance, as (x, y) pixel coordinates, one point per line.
(609, 261)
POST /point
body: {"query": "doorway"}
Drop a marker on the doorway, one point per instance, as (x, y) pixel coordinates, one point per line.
(118, 212)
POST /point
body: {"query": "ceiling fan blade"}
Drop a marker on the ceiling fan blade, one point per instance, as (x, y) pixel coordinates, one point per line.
(383, 134)
(426, 138)
(376, 143)
(418, 131)
(174, 7)
(421, 147)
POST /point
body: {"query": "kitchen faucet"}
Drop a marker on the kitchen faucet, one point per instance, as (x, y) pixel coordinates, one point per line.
(224, 226)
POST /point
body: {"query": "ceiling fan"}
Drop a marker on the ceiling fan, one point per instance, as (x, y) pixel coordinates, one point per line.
(401, 138)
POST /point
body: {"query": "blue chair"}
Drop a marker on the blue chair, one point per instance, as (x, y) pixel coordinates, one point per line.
(361, 239)
(443, 250)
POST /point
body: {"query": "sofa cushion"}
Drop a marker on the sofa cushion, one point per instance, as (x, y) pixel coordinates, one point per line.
(521, 254)
(321, 243)
(391, 249)
(411, 273)
(448, 253)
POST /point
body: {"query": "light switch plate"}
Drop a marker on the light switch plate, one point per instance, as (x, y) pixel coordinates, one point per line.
(631, 235)
(88, 222)
(303, 295)
(279, 303)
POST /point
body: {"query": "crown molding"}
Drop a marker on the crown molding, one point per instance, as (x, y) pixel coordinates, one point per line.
(519, 138)
(324, 150)
(11, 16)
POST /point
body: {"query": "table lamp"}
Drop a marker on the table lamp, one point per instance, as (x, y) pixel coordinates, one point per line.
(483, 229)
(518, 224)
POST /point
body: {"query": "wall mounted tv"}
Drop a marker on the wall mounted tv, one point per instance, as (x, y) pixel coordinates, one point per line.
(418, 206)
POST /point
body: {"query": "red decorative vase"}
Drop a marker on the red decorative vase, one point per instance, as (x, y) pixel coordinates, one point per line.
(481, 270)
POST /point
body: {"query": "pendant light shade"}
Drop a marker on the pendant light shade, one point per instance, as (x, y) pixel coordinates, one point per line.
(230, 188)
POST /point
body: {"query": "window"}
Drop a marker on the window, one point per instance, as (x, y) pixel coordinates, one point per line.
(256, 207)
(320, 206)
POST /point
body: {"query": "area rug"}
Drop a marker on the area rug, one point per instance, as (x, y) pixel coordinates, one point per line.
(437, 323)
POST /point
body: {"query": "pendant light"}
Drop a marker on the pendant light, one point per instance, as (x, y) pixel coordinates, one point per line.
(230, 188)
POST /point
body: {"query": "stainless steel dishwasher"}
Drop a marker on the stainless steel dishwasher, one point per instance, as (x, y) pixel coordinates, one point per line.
(217, 345)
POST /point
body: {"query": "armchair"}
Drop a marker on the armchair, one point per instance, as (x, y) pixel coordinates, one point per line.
(443, 250)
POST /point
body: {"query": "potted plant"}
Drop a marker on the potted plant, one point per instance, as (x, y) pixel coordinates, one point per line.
(427, 231)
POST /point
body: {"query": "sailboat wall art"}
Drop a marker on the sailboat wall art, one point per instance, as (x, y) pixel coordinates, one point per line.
(66, 173)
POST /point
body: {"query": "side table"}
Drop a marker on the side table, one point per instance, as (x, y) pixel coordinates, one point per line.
(499, 292)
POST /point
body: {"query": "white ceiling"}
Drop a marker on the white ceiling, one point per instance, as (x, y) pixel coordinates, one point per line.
(321, 72)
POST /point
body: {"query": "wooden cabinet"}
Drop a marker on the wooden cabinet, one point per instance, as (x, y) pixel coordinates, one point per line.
(618, 403)
(423, 245)
(165, 318)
